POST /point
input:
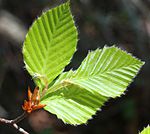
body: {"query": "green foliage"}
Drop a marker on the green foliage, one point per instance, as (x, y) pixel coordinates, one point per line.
(73, 104)
(146, 130)
(50, 44)
(104, 73)
(76, 95)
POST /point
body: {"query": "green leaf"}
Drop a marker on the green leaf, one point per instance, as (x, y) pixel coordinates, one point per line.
(146, 130)
(107, 71)
(72, 104)
(50, 44)
(104, 73)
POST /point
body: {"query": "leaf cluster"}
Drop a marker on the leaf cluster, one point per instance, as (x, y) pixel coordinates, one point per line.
(75, 95)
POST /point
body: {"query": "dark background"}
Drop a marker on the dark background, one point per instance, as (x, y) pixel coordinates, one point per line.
(125, 23)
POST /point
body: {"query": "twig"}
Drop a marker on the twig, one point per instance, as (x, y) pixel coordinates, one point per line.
(14, 122)
(19, 118)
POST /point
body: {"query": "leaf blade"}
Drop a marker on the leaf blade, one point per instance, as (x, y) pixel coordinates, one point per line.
(108, 71)
(51, 40)
(73, 105)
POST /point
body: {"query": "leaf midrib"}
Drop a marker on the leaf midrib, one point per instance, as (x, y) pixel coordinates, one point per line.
(104, 72)
(60, 16)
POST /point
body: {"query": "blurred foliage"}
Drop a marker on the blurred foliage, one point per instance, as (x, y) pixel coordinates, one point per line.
(125, 23)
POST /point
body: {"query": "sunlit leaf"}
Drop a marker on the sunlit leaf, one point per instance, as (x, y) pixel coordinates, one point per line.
(50, 44)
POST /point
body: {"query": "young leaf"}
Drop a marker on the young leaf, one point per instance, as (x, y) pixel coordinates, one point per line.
(146, 130)
(74, 105)
(107, 71)
(103, 74)
(50, 44)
